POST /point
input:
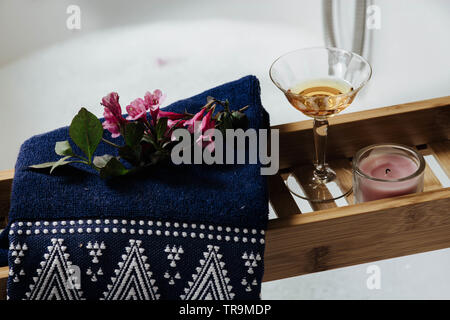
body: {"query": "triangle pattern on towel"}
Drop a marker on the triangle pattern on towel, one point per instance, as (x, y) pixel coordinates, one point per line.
(132, 280)
(54, 281)
(210, 281)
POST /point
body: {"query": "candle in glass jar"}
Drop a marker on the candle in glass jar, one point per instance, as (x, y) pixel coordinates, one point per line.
(384, 171)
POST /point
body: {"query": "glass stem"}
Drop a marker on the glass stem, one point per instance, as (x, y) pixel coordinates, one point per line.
(320, 129)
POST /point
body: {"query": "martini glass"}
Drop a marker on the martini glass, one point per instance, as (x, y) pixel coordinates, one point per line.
(319, 82)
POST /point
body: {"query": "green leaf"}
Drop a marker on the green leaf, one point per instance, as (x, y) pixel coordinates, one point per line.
(134, 131)
(159, 156)
(225, 121)
(240, 120)
(86, 131)
(226, 105)
(101, 161)
(168, 144)
(60, 162)
(63, 148)
(55, 164)
(161, 127)
(113, 168)
(149, 139)
(131, 154)
(43, 165)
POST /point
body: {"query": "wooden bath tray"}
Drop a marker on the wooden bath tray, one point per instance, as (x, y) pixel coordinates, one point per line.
(331, 236)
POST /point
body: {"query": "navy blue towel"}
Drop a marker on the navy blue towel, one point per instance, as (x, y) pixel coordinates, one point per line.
(176, 232)
(3, 257)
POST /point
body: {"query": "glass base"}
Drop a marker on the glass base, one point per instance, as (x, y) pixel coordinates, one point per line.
(305, 183)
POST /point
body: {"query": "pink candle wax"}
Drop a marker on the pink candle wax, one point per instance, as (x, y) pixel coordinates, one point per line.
(389, 168)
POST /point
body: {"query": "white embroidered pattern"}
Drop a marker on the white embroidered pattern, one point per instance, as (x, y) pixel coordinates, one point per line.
(133, 279)
(173, 255)
(251, 262)
(95, 251)
(17, 251)
(211, 281)
(141, 227)
(54, 280)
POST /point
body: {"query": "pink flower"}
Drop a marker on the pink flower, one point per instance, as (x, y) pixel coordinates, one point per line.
(154, 99)
(136, 110)
(111, 102)
(173, 124)
(111, 124)
(112, 114)
(154, 111)
(189, 124)
(205, 139)
(157, 113)
(170, 115)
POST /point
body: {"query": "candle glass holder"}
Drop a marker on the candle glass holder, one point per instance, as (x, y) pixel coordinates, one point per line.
(387, 170)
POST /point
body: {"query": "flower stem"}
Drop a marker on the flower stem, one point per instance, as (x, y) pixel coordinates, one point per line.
(111, 143)
(93, 166)
(244, 108)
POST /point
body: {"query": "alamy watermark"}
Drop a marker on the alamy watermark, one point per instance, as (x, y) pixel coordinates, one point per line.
(73, 21)
(73, 277)
(373, 282)
(235, 147)
(373, 17)
(373, 20)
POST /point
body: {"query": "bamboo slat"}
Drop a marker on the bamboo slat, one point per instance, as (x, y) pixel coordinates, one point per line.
(280, 197)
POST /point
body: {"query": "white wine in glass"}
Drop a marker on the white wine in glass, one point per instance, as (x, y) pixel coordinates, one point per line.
(320, 97)
(319, 82)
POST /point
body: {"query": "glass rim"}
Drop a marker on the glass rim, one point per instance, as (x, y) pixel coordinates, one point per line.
(420, 168)
(322, 48)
